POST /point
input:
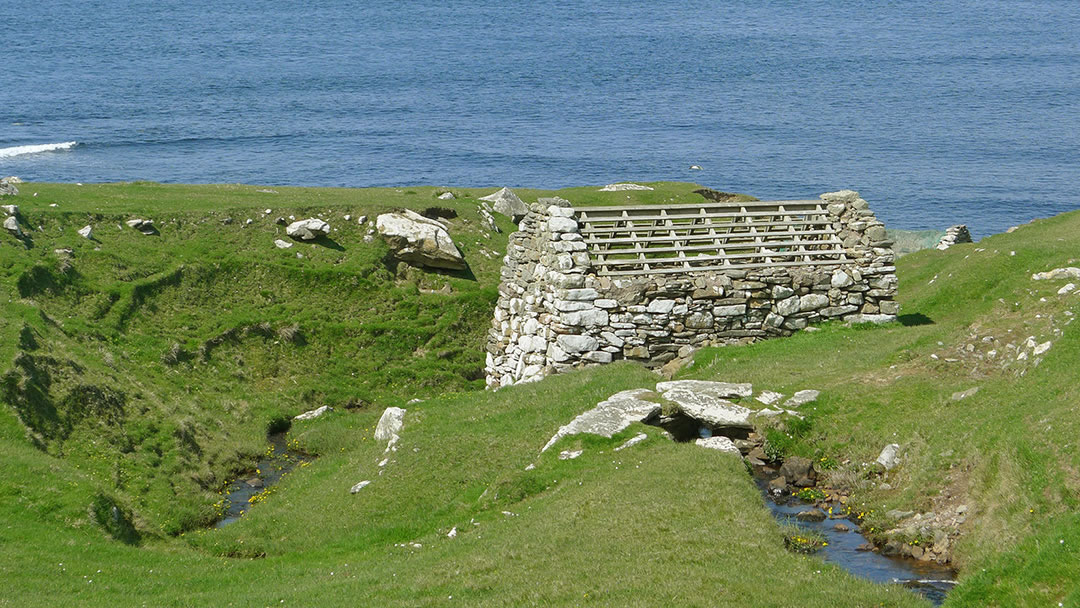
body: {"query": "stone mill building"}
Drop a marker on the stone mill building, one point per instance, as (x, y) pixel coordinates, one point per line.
(651, 283)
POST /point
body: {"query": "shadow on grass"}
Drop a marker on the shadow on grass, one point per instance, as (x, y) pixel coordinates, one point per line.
(914, 320)
(392, 265)
(329, 243)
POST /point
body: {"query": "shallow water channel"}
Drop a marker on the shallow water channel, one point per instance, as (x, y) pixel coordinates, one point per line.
(275, 462)
(929, 579)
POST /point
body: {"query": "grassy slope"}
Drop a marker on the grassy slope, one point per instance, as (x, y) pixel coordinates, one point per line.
(672, 524)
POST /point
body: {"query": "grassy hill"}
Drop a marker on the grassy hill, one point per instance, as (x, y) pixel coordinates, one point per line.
(139, 374)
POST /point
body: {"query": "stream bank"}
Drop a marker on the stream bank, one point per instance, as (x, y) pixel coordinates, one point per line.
(846, 546)
(251, 489)
(790, 489)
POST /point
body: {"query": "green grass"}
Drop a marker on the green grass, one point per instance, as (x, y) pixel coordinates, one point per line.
(98, 414)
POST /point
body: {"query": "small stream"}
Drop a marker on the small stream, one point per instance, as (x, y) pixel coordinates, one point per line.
(275, 463)
(929, 579)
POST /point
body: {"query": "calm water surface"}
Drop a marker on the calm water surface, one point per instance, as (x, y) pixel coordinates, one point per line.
(937, 112)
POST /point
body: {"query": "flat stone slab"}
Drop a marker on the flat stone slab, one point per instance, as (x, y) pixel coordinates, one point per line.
(718, 442)
(721, 390)
(707, 402)
(802, 398)
(610, 416)
(622, 187)
(769, 397)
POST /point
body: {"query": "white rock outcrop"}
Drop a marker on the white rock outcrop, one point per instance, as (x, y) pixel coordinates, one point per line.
(622, 187)
(1057, 274)
(390, 424)
(419, 240)
(7, 186)
(889, 457)
(280, 244)
(610, 416)
(312, 414)
(802, 398)
(308, 230)
(504, 201)
(718, 442)
(12, 226)
(143, 226)
(87, 232)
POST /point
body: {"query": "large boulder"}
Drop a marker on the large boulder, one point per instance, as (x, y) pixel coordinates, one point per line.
(308, 230)
(610, 416)
(418, 240)
(798, 471)
(507, 203)
(7, 186)
(390, 424)
(12, 226)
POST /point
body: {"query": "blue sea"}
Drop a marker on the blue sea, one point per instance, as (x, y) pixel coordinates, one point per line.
(937, 112)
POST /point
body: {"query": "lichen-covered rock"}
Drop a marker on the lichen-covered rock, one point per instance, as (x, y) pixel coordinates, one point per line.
(718, 442)
(610, 416)
(418, 240)
(720, 390)
(707, 402)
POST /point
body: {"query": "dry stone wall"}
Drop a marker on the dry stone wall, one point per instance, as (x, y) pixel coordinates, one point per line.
(554, 312)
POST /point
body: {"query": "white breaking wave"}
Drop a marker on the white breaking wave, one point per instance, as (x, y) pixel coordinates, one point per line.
(21, 150)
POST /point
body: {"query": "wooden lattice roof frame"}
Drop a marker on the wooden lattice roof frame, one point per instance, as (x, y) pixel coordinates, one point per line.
(709, 237)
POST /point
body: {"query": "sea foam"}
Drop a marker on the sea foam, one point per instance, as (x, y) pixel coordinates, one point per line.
(22, 150)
